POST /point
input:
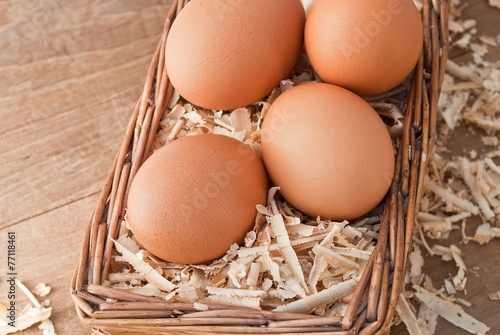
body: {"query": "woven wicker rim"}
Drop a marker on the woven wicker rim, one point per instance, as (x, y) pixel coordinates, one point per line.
(384, 276)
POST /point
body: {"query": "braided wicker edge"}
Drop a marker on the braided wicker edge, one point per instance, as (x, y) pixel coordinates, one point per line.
(383, 280)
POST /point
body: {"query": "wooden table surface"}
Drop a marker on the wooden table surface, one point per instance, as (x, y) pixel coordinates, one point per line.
(70, 75)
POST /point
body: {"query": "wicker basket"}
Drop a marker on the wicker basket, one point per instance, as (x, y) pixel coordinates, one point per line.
(372, 307)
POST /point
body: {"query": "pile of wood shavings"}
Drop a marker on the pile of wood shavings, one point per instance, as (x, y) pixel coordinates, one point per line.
(289, 262)
(461, 189)
(286, 263)
(31, 314)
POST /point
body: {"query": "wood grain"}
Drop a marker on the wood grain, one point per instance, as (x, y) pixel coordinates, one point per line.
(48, 247)
(67, 102)
(70, 75)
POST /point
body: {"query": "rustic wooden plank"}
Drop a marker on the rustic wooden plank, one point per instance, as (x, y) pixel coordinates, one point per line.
(63, 115)
(66, 28)
(483, 278)
(66, 91)
(47, 251)
(70, 69)
(48, 28)
(66, 156)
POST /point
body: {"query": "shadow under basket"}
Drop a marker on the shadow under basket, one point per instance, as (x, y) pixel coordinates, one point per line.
(371, 309)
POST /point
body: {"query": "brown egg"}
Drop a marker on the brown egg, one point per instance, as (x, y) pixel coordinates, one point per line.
(195, 197)
(368, 47)
(224, 54)
(328, 150)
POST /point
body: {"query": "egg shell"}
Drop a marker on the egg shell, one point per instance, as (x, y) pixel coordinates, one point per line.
(224, 54)
(195, 197)
(368, 47)
(328, 150)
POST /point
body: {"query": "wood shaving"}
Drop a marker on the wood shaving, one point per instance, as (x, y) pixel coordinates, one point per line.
(47, 327)
(416, 263)
(325, 297)
(452, 200)
(460, 279)
(235, 297)
(419, 4)
(427, 319)
(463, 302)
(392, 112)
(285, 247)
(494, 3)
(406, 314)
(142, 267)
(30, 315)
(483, 234)
(451, 312)
(200, 307)
(307, 4)
(488, 40)
(146, 290)
(41, 290)
(494, 296)
(271, 270)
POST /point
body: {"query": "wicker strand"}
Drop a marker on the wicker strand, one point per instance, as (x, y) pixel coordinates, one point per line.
(398, 278)
(378, 267)
(90, 297)
(417, 102)
(400, 176)
(144, 103)
(81, 269)
(164, 88)
(371, 328)
(306, 323)
(206, 330)
(141, 141)
(384, 293)
(161, 59)
(122, 155)
(224, 312)
(359, 323)
(101, 207)
(83, 305)
(435, 73)
(142, 314)
(141, 305)
(110, 190)
(110, 293)
(427, 35)
(404, 145)
(113, 225)
(357, 295)
(445, 40)
(101, 235)
(421, 172)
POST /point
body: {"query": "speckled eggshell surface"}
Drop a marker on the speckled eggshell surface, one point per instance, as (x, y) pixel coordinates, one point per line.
(368, 47)
(224, 54)
(328, 150)
(195, 197)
